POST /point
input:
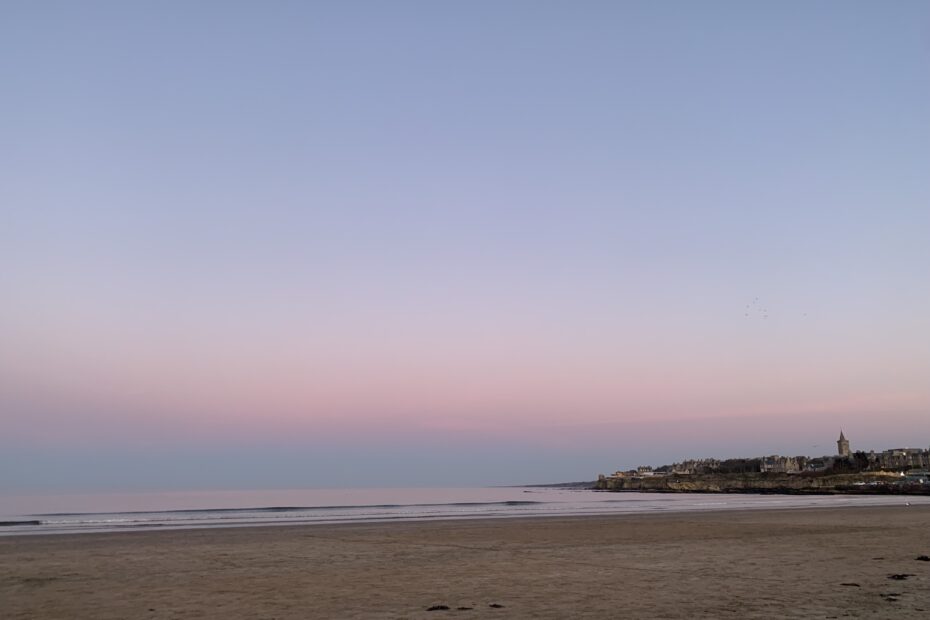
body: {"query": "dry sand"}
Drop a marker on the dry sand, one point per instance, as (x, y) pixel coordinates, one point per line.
(753, 564)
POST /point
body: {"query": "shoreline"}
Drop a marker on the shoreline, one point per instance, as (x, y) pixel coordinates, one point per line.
(797, 483)
(757, 563)
(720, 513)
(28, 527)
(922, 490)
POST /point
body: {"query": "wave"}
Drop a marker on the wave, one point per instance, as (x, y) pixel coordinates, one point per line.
(554, 504)
(273, 509)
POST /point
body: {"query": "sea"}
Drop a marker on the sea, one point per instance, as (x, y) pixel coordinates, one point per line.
(22, 515)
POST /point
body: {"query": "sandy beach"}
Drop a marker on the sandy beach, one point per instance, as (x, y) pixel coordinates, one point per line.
(751, 564)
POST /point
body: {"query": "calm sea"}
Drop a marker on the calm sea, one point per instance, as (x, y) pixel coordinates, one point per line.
(60, 514)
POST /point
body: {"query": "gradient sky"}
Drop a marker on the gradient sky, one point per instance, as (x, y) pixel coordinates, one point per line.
(269, 244)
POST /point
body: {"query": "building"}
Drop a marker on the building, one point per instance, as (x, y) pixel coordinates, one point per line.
(779, 464)
(695, 466)
(842, 445)
(900, 459)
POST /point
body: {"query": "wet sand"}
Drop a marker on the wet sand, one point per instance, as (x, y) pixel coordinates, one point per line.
(816, 563)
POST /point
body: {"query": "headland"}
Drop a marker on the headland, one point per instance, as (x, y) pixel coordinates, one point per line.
(899, 471)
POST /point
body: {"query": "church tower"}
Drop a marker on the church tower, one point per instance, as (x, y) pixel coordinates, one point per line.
(842, 445)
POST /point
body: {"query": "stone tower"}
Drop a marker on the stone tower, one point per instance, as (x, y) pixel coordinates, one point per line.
(842, 445)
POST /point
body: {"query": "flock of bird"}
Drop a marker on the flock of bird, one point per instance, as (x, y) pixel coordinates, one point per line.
(756, 309)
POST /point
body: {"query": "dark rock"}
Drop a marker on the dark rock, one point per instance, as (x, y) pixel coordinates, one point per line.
(437, 608)
(855, 585)
(900, 576)
(464, 608)
(923, 558)
(495, 605)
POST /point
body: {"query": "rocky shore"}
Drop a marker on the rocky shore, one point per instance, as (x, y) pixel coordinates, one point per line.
(861, 483)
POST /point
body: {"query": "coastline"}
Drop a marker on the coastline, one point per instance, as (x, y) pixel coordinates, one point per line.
(745, 563)
(867, 483)
(208, 510)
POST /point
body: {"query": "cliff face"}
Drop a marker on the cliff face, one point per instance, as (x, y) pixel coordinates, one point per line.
(747, 483)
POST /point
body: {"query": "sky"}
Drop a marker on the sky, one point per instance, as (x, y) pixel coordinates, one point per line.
(298, 244)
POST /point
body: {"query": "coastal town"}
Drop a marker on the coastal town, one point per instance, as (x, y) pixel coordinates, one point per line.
(905, 470)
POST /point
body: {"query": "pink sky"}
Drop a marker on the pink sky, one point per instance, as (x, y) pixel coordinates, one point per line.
(477, 242)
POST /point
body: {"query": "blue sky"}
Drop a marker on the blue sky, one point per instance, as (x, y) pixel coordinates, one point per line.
(258, 227)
